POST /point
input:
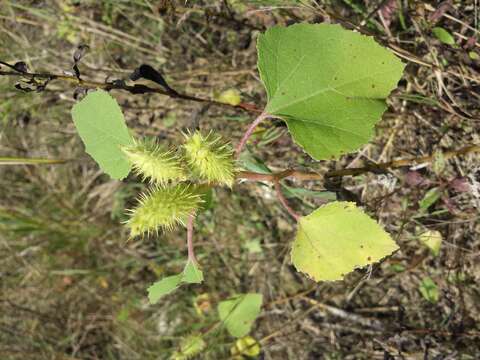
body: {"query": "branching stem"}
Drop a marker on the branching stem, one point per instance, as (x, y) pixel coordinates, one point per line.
(380, 168)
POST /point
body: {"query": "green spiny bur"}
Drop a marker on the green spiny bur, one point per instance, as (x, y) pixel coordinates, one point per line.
(152, 162)
(163, 207)
(210, 157)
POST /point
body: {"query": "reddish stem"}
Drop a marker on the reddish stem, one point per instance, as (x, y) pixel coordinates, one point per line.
(191, 251)
(249, 132)
(284, 202)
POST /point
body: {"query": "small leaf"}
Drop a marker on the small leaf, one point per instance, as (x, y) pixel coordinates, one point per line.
(438, 163)
(433, 240)
(230, 96)
(163, 287)
(189, 347)
(302, 192)
(337, 238)
(397, 268)
(101, 125)
(329, 84)
(21, 66)
(239, 312)
(430, 198)
(443, 35)
(253, 246)
(192, 274)
(145, 71)
(247, 345)
(429, 290)
(473, 55)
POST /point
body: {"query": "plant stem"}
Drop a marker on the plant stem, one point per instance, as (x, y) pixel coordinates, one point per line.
(132, 89)
(283, 201)
(190, 249)
(370, 167)
(30, 161)
(248, 133)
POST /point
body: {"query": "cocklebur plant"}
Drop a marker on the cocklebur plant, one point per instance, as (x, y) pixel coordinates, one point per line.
(172, 200)
(326, 83)
(210, 157)
(163, 207)
(154, 163)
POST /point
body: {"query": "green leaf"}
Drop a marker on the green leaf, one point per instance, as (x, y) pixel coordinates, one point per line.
(163, 287)
(337, 238)
(239, 312)
(192, 274)
(473, 55)
(291, 192)
(101, 125)
(433, 240)
(443, 35)
(430, 198)
(429, 290)
(253, 246)
(329, 84)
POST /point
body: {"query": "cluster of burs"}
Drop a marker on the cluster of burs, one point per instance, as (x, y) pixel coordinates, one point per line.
(179, 178)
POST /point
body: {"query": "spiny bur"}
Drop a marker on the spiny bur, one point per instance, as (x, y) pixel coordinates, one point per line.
(153, 162)
(210, 157)
(163, 208)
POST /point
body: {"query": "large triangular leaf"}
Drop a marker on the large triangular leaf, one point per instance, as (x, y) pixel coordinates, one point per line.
(327, 83)
(101, 125)
(239, 312)
(337, 238)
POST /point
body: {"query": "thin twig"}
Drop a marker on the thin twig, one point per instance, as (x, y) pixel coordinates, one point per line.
(119, 85)
(283, 201)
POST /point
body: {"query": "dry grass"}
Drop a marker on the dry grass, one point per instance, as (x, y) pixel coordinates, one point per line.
(73, 288)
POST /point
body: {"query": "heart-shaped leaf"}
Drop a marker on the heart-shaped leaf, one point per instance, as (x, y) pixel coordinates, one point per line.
(329, 84)
(337, 238)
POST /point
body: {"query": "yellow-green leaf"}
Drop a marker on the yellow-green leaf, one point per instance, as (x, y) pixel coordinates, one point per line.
(230, 96)
(246, 345)
(433, 240)
(336, 239)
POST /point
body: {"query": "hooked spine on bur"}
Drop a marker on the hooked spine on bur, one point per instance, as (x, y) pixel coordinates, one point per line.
(163, 208)
(210, 157)
(153, 162)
